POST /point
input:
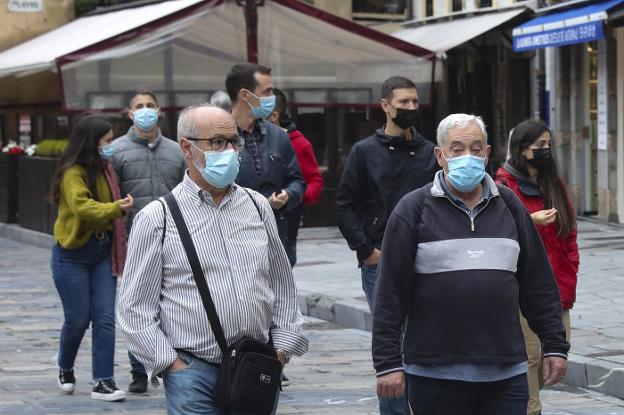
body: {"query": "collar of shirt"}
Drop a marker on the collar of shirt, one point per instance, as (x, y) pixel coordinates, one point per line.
(485, 196)
(258, 131)
(199, 195)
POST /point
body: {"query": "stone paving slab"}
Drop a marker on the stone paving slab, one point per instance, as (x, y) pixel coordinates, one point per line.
(329, 286)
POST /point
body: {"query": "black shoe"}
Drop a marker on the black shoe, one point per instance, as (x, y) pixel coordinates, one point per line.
(106, 390)
(138, 384)
(285, 380)
(67, 381)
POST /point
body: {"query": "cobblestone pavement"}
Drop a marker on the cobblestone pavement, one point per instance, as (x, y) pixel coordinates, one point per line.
(335, 377)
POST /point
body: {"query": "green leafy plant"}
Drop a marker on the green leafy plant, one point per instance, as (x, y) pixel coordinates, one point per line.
(51, 148)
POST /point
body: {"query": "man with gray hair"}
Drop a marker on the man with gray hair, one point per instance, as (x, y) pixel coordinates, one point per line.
(160, 310)
(464, 256)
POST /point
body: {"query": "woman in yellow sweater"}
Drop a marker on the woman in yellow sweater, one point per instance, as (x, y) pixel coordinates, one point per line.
(89, 253)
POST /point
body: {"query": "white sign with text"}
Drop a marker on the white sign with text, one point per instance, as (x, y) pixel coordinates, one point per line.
(25, 6)
(603, 96)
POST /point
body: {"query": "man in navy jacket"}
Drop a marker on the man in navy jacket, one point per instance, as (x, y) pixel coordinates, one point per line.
(463, 258)
(268, 162)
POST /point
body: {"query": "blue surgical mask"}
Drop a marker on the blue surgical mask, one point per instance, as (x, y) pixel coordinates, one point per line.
(106, 152)
(465, 172)
(221, 167)
(267, 104)
(145, 118)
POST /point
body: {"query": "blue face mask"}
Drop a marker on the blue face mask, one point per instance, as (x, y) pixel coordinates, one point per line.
(267, 104)
(221, 167)
(465, 172)
(106, 152)
(145, 118)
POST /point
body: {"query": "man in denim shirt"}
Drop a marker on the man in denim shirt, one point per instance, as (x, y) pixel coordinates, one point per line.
(268, 163)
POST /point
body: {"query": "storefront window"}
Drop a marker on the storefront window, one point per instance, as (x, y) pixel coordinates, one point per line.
(428, 8)
(380, 6)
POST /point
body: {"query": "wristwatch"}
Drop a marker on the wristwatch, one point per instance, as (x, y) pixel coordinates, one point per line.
(286, 353)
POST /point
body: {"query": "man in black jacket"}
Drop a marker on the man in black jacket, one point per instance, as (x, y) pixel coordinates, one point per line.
(379, 171)
(464, 256)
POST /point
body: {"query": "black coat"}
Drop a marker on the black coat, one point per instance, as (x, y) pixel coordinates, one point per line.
(379, 171)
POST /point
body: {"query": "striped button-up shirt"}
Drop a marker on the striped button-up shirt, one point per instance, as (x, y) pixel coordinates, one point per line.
(159, 307)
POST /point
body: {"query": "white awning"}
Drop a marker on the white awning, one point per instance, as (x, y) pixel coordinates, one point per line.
(41, 52)
(443, 36)
(183, 49)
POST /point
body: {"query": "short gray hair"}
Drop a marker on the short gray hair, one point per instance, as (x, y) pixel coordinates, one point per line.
(222, 100)
(186, 123)
(460, 121)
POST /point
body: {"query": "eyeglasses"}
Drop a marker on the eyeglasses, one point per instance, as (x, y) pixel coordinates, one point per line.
(220, 143)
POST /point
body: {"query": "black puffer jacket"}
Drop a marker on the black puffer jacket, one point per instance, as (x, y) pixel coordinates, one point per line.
(379, 171)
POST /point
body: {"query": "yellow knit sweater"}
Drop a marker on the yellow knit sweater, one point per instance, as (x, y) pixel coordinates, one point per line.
(79, 214)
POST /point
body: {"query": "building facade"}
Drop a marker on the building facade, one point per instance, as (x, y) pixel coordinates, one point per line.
(24, 96)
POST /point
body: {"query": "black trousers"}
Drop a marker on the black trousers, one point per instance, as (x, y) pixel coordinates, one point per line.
(450, 397)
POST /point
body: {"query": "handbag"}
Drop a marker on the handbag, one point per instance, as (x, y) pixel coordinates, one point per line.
(250, 372)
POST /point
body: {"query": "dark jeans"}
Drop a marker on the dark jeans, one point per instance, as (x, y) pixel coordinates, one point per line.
(451, 397)
(387, 406)
(293, 216)
(137, 367)
(84, 280)
(190, 390)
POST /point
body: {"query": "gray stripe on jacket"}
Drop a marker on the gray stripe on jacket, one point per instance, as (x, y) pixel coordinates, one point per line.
(468, 253)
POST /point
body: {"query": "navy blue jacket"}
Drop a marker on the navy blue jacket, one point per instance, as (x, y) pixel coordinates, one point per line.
(378, 172)
(280, 170)
(458, 283)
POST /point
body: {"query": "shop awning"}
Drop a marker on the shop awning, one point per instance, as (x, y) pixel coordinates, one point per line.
(40, 53)
(578, 25)
(443, 36)
(183, 54)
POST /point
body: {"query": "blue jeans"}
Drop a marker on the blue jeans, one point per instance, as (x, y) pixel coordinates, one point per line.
(84, 280)
(451, 397)
(189, 391)
(369, 278)
(387, 406)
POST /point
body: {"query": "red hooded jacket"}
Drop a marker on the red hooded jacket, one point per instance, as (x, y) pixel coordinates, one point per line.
(562, 251)
(309, 167)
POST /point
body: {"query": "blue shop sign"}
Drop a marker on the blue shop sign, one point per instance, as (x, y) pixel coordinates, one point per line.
(581, 24)
(582, 33)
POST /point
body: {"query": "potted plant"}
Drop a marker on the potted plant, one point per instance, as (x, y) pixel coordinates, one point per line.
(35, 182)
(8, 181)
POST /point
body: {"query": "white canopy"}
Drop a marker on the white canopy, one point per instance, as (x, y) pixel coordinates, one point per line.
(183, 49)
(41, 52)
(446, 35)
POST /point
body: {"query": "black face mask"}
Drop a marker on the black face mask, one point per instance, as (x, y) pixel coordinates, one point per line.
(405, 118)
(542, 158)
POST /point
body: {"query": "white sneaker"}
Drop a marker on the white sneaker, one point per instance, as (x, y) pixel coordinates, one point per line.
(67, 381)
(106, 390)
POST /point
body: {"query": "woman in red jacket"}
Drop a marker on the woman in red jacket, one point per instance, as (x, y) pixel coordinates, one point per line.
(308, 165)
(531, 172)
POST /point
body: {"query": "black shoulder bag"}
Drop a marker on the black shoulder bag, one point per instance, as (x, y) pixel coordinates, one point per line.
(250, 372)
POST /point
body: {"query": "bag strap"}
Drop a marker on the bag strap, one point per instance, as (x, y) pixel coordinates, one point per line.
(162, 238)
(198, 274)
(254, 202)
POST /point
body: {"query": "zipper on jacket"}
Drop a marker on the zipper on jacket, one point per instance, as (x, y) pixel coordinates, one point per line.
(472, 227)
(482, 209)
